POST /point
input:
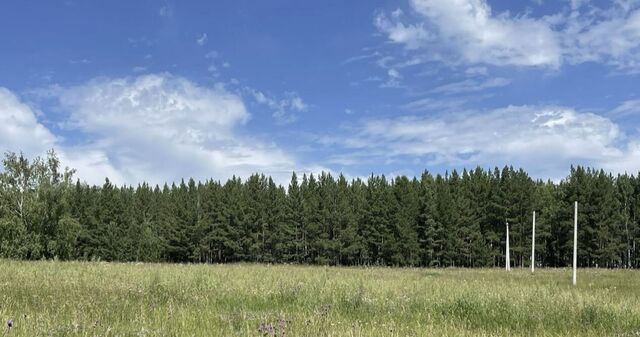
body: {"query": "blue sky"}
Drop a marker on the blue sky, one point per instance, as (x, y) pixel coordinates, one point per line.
(160, 90)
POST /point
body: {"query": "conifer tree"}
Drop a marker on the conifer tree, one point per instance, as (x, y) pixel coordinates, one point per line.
(456, 219)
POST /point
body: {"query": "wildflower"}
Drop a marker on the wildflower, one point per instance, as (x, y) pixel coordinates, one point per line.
(282, 324)
(266, 329)
(324, 309)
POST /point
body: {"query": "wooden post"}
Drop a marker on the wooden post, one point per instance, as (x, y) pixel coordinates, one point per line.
(508, 258)
(575, 242)
(533, 243)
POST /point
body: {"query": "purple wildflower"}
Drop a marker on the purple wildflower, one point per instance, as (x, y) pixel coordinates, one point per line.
(266, 329)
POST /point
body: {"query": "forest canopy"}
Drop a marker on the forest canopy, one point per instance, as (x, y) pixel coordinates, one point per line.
(456, 219)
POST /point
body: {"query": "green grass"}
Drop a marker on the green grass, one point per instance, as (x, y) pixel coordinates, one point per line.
(111, 299)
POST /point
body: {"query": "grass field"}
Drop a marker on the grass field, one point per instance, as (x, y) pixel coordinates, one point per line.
(110, 299)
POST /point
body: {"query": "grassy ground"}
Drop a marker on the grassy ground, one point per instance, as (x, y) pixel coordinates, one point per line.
(108, 299)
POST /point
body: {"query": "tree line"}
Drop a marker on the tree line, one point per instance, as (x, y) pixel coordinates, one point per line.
(456, 219)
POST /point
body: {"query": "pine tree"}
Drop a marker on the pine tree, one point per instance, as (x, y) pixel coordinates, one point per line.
(348, 239)
(311, 219)
(360, 209)
(326, 244)
(294, 249)
(426, 225)
(451, 220)
(405, 193)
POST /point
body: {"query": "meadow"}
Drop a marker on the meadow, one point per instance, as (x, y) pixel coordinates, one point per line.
(117, 299)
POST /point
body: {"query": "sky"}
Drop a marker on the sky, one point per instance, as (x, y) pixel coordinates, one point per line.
(157, 91)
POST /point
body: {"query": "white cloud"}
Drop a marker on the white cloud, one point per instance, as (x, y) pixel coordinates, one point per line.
(470, 85)
(576, 4)
(393, 79)
(469, 31)
(161, 127)
(413, 36)
(153, 101)
(384, 61)
(20, 129)
(545, 140)
(397, 13)
(202, 39)
(629, 162)
(477, 71)
(394, 73)
(360, 57)
(610, 36)
(92, 165)
(626, 109)
(431, 104)
(469, 27)
(284, 110)
(152, 128)
(215, 63)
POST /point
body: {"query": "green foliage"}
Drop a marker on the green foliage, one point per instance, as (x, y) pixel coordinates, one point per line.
(456, 219)
(47, 298)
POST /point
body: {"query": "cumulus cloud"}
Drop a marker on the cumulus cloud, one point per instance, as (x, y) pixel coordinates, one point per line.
(156, 128)
(546, 140)
(162, 121)
(473, 33)
(20, 131)
(470, 28)
(20, 128)
(155, 102)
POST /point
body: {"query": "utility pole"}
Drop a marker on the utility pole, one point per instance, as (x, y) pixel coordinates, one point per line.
(575, 242)
(533, 243)
(508, 258)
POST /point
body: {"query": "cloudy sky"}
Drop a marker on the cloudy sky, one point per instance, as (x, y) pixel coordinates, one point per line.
(159, 90)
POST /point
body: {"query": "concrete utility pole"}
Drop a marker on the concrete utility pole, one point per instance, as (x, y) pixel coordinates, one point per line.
(575, 243)
(508, 262)
(533, 243)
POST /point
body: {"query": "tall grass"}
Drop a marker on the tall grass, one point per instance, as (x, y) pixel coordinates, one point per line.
(110, 299)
